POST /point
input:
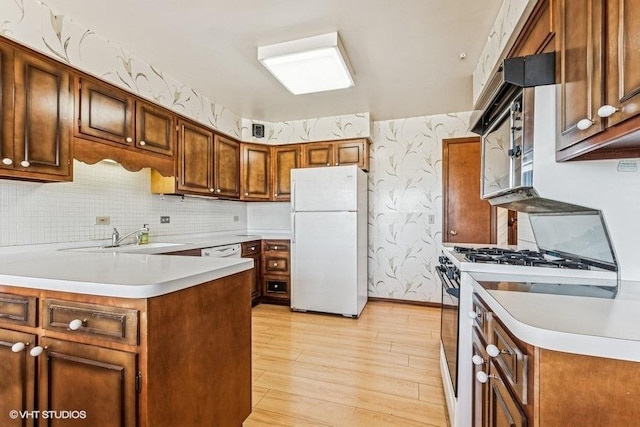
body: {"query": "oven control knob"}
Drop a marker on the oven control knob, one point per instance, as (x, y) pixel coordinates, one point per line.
(477, 360)
(443, 259)
(493, 351)
(473, 315)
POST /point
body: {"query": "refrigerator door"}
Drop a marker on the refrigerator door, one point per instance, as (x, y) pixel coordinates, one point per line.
(325, 189)
(324, 263)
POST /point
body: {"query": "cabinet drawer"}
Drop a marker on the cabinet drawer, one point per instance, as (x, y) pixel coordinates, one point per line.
(276, 246)
(512, 361)
(104, 322)
(482, 317)
(275, 286)
(276, 265)
(250, 248)
(18, 309)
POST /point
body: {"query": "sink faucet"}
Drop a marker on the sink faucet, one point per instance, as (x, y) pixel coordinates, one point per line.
(116, 239)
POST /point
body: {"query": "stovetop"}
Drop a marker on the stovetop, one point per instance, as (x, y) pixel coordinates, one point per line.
(493, 255)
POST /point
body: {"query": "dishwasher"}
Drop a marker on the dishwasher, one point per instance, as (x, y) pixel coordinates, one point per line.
(225, 251)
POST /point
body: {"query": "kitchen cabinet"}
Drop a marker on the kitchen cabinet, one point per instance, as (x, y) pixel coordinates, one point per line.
(276, 276)
(36, 111)
(284, 158)
(598, 96)
(337, 153)
(256, 172)
(253, 250)
(226, 168)
(17, 373)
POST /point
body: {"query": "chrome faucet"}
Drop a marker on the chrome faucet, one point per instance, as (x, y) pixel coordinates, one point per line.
(116, 239)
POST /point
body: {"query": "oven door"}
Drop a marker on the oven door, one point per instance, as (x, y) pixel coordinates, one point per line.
(449, 324)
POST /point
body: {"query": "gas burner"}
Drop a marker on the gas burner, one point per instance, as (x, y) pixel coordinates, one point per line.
(475, 257)
(525, 257)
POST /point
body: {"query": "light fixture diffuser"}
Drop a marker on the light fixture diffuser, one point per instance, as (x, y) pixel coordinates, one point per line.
(313, 64)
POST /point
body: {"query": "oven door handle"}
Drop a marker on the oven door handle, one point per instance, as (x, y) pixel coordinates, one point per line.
(451, 289)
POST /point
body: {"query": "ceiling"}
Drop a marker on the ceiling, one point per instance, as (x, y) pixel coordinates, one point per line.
(405, 53)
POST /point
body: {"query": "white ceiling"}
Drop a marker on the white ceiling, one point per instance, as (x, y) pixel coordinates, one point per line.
(405, 53)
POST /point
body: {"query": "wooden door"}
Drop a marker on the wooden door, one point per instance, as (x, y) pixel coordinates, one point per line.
(43, 109)
(503, 409)
(17, 378)
(226, 167)
(104, 113)
(155, 129)
(467, 218)
(195, 158)
(256, 170)
(99, 381)
(285, 158)
(317, 155)
(6, 107)
(352, 153)
(580, 52)
(623, 59)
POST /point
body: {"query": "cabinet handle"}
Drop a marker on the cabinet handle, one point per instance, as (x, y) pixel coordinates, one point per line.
(453, 232)
(246, 194)
(36, 351)
(275, 194)
(211, 190)
(143, 143)
(337, 163)
(76, 324)
(252, 248)
(18, 347)
(607, 111)
(275, 264)
(25, 164)
(585, 124)
(328, 164)
(7, 161)
(477, 360)
(275, 248)
(129, 139)
(218, 190)
(473, 315)
(494, 351)
(482, 377)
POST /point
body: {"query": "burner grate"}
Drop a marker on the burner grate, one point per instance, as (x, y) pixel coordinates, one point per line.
(524, 257)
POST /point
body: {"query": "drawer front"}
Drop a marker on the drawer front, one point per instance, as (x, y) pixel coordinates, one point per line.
(250, 248)
(104, 322)
(482, 319)
(275, 287)
(279, 246)
(512, 361)
(18, 309)
(276, 265)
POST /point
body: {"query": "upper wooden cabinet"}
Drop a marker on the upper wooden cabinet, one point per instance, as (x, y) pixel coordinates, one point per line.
(155, 129)
(36, 115)
(538, 35)
(337, 153)
(598, 61)
(256, 172)
(284, 158)
(226, 167)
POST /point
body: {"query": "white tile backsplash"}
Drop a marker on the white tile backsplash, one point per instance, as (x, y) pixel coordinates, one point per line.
(269, 216)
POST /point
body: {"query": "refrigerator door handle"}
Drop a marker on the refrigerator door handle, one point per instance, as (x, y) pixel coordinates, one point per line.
(293, 228)
(293, 196)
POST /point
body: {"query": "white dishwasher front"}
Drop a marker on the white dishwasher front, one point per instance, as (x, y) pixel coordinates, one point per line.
(226, 251)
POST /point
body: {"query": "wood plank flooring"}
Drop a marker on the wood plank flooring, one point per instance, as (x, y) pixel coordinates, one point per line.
(322, 370)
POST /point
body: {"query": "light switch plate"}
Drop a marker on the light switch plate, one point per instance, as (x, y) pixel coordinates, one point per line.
(103, 220)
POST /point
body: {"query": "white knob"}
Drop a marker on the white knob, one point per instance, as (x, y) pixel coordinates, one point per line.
(584, 124)
(75, 324)
(477, 360)
(18, 347)
(143, 143)
(211, 190)
(607, 111)
(36, 351)
(473, 315)
(218, 190)
(253, 248)
(129, 139)
(492, 350)
(275, 247)
(275, 264)
(246, 194)
(482, 377)
(7, 161)
(336, 163)
(275, 194)
(328, 164)
(453, 232)
(25, 164)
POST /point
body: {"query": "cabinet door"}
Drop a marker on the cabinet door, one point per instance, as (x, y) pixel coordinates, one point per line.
(155, 129)
(42, 130)
(580, 92)
(480, 394)
(317, 155)
(195, 158)
(285, 158)
(503, 409)
(352, 153)
(99, 381)
(6, 107)
(256, 164)
(104, 112)
(256, 278)
(623, 59)
(17, 378)
(226, 167)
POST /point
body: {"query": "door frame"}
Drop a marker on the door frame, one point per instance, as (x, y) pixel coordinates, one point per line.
(493, 230)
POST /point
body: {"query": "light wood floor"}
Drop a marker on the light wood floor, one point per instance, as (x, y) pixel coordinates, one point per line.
(323, 370)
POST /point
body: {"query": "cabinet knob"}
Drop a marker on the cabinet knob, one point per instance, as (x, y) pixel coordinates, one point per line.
(482, 376)
(493, 351)
(328, 164)
(18, 347)
(337, 163)
(76, 324)
(584, 124)
(275, 264)
(211, 190)
(477, 360)
(453, 232)
(143, 143)
(129, 139)
(36, 351)
(246, 194)
(25, 164)
(218, 190)
(275, 248)
(607, 111)
(253, 248)
(275, 194)
(472, 315)
(7, 161)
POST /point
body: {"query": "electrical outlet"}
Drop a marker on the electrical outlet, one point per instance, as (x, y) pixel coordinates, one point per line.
(103, 220)
(236, 218)
(165, 219)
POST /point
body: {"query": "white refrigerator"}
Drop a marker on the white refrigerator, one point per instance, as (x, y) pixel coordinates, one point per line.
(329, 240)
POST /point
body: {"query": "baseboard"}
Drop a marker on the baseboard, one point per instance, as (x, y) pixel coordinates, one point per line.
(406, 301)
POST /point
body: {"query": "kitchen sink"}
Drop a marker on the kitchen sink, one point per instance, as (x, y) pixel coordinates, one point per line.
(126, 248)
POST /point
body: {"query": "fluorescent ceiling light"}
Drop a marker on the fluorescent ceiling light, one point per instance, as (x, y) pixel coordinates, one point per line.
(313, 64)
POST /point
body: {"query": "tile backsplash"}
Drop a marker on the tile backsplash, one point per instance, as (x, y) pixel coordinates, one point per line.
(34, 213)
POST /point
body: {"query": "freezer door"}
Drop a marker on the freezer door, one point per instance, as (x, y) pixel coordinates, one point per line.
(325, 189)
(324, 262)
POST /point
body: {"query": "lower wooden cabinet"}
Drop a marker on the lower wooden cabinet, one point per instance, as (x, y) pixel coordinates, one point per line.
(276, 277)
(253, 250)
(17, 378)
